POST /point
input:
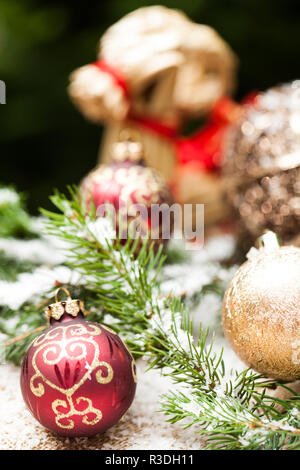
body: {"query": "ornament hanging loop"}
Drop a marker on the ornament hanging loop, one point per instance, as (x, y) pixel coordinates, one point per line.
(269, 241)
(66, 292)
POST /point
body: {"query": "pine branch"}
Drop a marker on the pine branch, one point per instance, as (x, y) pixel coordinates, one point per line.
(14, 220)
(227, 424)
(161, 329)
(11, 267)
(236, 413)
(233, 412)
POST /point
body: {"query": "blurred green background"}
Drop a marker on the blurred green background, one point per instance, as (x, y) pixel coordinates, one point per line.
(44, 140)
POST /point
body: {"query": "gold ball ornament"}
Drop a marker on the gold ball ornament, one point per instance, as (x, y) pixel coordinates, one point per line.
(261, 165)
(261, 310)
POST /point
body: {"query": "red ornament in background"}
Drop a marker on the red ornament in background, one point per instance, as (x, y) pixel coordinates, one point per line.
(129, 185)
(78, 378)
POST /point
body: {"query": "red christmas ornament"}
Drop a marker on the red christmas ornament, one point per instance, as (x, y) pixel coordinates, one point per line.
(78, 377)
(129, 186)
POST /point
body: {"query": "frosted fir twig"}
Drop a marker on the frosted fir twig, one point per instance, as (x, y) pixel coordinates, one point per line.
(227, 424)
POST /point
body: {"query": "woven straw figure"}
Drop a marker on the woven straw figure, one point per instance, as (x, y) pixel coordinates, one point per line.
(153, 65)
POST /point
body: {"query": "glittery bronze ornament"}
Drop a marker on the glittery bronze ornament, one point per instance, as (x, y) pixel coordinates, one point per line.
(132, 189)
(262, 163)
(261, 310)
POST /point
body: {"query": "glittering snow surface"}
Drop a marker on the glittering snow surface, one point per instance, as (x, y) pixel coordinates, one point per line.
(143, 427)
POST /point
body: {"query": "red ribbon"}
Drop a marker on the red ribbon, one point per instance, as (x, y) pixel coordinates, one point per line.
(155, 126)
(205, 146)
(118, 77)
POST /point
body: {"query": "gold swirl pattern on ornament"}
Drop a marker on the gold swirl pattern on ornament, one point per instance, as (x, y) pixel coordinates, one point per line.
(133, 366)
(52, 334)
(59, 345)
(81, 329)
(66, 416)
(108, 329)
(38, 390)
(110, 373)
(140, 185)
(59, 332)
(133, 370)
(54, 348)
